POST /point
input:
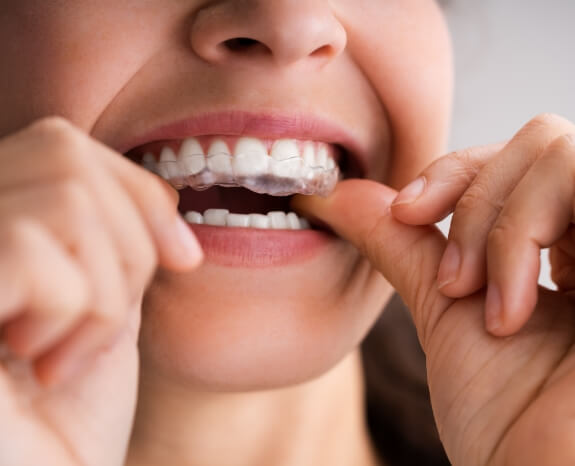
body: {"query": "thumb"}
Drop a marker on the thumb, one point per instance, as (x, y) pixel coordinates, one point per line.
(407, 256)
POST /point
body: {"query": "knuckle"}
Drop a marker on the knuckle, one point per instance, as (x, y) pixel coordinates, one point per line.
(564, 144)
(463, 168)
(54, 128)
(110, 318)
(544, 127)
(19, 233)
(501, 234)
(64, 142)
(477, 196)
(72, 195)
(544, 120)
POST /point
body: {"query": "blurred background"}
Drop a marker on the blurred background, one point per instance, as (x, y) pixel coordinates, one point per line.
(514, 59)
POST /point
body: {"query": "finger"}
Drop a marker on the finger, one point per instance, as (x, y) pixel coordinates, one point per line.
(562, 261)
(434, 194)
(176, 244)
(54, 204)
(68, 152)
(77, 352)
(408, 256)
(463, 267)
(75, 223)
(37, 273)
(536, 214)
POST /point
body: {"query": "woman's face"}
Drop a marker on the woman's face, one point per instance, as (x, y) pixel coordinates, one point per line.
(267, 308)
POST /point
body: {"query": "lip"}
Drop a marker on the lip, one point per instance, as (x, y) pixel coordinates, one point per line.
(253, 248)
(270, 125)
(248, 247)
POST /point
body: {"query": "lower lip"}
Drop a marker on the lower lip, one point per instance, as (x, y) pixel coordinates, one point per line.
(249, 247)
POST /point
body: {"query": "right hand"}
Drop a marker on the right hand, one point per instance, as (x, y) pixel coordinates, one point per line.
(82, 230)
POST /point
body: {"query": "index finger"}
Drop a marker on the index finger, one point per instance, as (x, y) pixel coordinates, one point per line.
(407, 256)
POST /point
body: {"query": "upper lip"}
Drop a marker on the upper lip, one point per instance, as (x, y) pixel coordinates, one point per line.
(272, 125)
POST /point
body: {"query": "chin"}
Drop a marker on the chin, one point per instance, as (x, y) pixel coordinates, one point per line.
(234, 329)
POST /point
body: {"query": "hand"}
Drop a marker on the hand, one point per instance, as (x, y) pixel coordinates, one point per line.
(497, 401)
(508, 202)
(82, 230)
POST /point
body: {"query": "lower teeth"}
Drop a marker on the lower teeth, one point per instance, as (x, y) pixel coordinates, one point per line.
(273, 220)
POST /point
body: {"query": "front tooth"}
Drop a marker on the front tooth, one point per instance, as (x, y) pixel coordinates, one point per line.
(293, 221)
(168, 165)
(285, 159)
(238, 220)
(284, 149)
(194, 217)
(216, 217)
(278, 220)
(192, 157)
(250, 158)
(219, 159)
(304, 224)
(259, 221)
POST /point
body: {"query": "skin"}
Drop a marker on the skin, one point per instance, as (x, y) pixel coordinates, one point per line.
(392, 89)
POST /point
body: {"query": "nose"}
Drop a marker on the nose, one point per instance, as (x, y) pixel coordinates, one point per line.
(283, 32)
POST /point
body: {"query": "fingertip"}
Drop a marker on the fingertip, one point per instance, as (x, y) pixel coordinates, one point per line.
(411, 193)
(506, 317)
(184, 249)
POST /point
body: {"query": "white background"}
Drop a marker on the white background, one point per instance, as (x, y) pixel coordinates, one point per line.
(514, 59)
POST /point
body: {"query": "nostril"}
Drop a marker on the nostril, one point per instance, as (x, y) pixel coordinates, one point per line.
(240, 43)
(245, 44)
(324, 51)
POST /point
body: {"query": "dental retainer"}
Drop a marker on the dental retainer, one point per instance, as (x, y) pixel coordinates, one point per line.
(264, 175)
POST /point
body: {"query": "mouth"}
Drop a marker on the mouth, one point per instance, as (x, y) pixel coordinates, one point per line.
(245, 181)
(236, 174)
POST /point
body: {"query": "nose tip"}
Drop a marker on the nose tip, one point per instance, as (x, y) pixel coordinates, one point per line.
(280, 31)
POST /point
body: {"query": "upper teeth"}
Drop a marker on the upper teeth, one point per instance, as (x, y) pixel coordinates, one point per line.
(303, 166)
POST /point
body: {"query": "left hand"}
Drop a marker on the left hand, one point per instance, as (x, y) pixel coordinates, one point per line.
(497, 401)
(508, 202)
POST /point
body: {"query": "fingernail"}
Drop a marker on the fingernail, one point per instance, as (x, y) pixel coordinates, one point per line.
(493, 308)
(411, 192)
(191, 246)
(449, 265)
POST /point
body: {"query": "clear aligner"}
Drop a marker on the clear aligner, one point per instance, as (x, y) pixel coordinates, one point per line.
(312, 173)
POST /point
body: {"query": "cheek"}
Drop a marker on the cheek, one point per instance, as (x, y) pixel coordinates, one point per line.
(68, 59)
(220, 330)
(409, 64)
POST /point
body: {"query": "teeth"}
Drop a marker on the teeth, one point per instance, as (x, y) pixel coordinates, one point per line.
(219, 159)
(149, 162)
(293, 221)
(216, 217)
(192, 158)
(292, 166)
(321, 156)
(194, 217)
(278, 220)
(273, 220)
(168, 166)
(250, 158)
(259, 221)
(286, 161)
(238, 220)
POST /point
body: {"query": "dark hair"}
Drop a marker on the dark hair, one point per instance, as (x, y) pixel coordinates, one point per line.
(399, 413)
